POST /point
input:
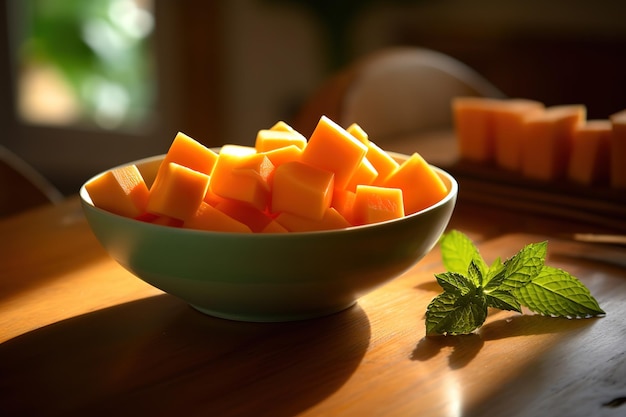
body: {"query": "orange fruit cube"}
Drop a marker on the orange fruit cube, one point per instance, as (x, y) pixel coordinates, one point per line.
(473, 122)
(302, 189)
(189, 153)
(285, 154)
(121, 191)
(549, 134)
(591, 153)
(421, 186)
(241, 174)
(618, 150)
(373, 204)
(268, 139)
(209, 218)
(252, 217)
(382, 162)
(282, 126)
(365, 174)
(357, 131)
(178, 193)
(509, 130)
(274, 227)
(333, 149)
(343, 202)
(331, 219)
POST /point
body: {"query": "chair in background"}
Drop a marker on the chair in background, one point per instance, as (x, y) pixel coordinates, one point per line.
(395, 92)
(21, 186)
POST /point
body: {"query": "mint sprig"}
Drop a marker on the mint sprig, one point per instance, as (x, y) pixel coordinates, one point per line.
(470, 287)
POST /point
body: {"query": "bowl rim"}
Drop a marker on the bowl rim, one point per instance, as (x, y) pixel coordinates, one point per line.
(88, 205)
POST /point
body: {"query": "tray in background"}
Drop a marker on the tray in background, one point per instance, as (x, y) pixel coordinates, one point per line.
(600, 205)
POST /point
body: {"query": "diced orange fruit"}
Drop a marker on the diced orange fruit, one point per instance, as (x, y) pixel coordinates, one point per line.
(254, 218)
(421, 186)
(374, 204)
(282, 126)
(618, 150)
(268, 139)
(473, 121)
(302, 189)
(257, 166)
(244, 185)
(331, 219)
(208, 217)
(590, 159)
(159, 219)
(168, 221)
(333, 149)
(286, 154)
(357, 131)
(121, 191)
(364, 174)
(336, 179)
(490, 129)
(274, 227)
(178, 193)
(147, 217)
(211, 198)
(542, 143)
(509, 130)
(190, 153)
(382, 162)
(547, 148)
(343, 202)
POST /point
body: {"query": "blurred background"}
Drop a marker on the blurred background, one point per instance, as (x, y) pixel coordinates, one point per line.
(91, 84)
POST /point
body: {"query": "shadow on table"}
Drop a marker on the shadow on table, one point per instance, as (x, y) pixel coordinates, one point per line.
(159, 356)
(466, 347)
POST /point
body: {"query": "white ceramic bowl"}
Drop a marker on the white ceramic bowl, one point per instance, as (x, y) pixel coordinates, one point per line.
(269, 277)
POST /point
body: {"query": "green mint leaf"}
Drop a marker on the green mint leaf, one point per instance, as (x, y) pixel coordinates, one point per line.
(455, 283)
(526, 264)
(471, 287)
(495, 275)
(475, 274)
(503, 300)
(452, 313)
(555, 292)
(458, 251)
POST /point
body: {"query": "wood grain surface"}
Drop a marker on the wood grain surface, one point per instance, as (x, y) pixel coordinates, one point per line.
(80, 336)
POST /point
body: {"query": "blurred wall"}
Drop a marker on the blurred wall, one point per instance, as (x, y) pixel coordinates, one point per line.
(557, 51)
(272, 59)
(229, 68)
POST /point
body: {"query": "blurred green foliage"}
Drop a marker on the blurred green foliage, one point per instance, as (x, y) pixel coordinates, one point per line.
(101, 47)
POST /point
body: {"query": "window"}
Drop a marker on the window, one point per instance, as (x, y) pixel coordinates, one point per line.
(92, 84)
(84, 63)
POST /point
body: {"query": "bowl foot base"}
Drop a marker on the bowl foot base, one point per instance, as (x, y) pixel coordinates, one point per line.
(277, 317)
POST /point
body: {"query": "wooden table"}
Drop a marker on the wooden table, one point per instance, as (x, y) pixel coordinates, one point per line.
(80, 336)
